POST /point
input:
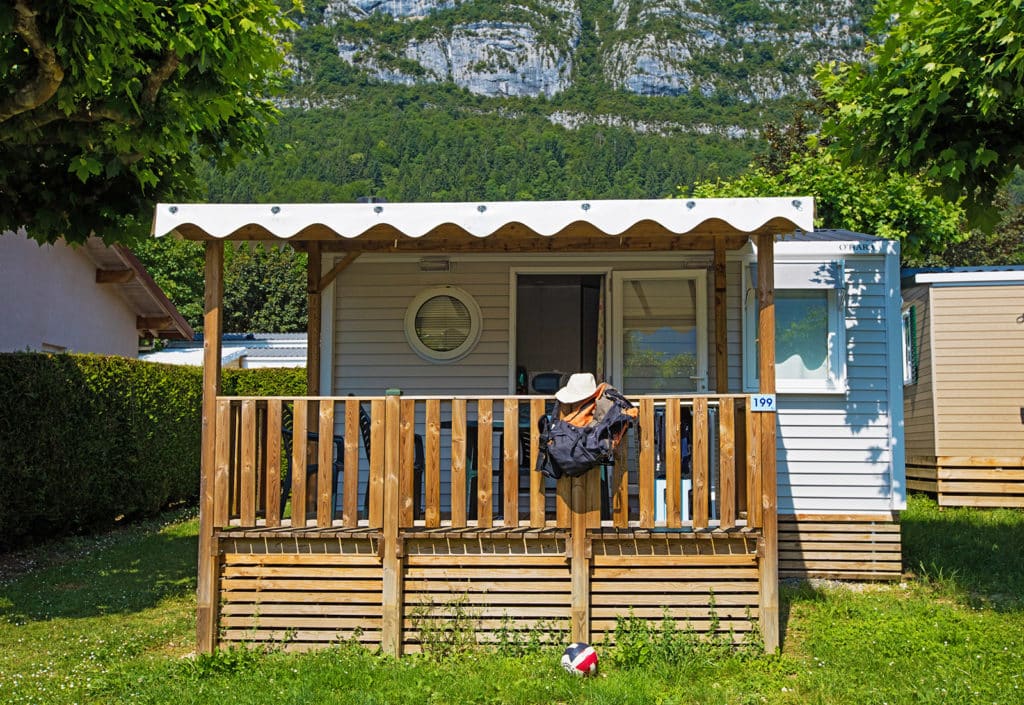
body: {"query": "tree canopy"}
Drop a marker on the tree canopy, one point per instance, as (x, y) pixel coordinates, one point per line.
(105, 105)
(942, 92)
(886, 204)
(264, 286)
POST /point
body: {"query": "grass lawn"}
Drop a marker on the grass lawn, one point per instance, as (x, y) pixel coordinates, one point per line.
(111, 620)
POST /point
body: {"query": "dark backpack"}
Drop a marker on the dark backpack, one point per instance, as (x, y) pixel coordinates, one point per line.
(567, 449)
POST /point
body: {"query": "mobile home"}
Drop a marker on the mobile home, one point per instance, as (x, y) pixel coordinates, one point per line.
(964, 384)
(764, 358)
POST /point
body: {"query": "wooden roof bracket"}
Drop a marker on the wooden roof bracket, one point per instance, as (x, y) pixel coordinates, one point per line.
(337, 269)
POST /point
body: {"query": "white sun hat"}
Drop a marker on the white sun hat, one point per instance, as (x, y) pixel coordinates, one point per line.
(580, 386)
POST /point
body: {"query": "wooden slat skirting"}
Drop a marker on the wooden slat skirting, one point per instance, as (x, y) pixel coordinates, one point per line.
(307, 589)
(860, 547)
(968, 482)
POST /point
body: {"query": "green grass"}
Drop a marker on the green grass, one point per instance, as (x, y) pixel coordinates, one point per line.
(110, 620)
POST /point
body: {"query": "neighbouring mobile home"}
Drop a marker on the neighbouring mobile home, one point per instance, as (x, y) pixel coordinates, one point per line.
(964, 384)
(764, 357)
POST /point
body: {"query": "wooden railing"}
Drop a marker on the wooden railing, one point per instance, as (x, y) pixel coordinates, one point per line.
(454, 464)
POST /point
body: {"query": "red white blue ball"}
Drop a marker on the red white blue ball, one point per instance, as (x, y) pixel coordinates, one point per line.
(580, 659)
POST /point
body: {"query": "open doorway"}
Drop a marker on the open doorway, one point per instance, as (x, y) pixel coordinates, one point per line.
(559, 329)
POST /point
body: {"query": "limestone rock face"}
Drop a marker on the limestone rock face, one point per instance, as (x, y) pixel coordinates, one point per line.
(752, 51)
(528, 54)
(763, 51)
(395, 8)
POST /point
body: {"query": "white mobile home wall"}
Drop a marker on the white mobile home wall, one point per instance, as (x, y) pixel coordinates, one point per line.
(840, 456)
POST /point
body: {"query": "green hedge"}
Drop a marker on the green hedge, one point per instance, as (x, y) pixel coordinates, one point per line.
(264, 382)
(88, 440)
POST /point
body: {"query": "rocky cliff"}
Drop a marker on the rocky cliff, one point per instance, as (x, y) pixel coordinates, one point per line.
(738, 50)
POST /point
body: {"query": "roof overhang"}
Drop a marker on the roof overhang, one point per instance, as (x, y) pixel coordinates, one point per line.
(974, 277)
(510, 225)
(155, 314)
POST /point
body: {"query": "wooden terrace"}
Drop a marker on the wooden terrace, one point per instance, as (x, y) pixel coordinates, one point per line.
(372, 567)
(372, 562)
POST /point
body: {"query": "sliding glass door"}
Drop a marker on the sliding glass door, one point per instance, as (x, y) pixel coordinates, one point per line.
(660, 338)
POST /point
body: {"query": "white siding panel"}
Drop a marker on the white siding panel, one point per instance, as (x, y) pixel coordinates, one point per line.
(834, 451)
(734, 320)
(371, 353)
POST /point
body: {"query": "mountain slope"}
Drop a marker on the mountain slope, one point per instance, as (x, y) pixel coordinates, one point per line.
(478, 99)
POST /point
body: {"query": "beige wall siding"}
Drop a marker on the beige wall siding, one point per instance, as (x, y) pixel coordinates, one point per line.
(979, 370)
(49, 300)
(918, 398)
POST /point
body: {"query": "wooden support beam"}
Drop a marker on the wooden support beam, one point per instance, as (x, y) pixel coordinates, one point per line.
(154, 323)
(114, 276)
(207, 587)
(391, 618)
(580, 563)
(538, 499)
(511, 241)
(769, 564)
(313, 320)
(459, 459)
(510, 462)
(721, 321)
(337, 269)
(484, 462)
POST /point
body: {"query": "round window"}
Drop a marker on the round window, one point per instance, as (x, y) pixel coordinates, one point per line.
(442, 324)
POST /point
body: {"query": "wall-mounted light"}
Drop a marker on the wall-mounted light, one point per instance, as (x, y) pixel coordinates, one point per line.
(435, 264)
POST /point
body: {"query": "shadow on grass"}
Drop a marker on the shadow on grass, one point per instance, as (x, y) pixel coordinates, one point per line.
(974, 555)
(118, 573)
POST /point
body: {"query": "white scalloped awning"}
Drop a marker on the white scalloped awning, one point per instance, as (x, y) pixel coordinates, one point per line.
(313, 221)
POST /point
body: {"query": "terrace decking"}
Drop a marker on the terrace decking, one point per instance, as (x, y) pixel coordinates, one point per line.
(543, 559)
(968, 481)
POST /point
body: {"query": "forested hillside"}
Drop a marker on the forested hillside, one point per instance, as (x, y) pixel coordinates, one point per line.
(416, 100)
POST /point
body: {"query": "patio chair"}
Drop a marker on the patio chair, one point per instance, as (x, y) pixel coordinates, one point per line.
(418, 466)
(312, 469)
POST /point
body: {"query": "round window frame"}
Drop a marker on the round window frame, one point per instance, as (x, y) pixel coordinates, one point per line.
(456, 353)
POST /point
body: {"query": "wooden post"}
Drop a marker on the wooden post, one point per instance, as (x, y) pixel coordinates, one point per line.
(701, 470)
(484, 455)
(721, 321)
(726, 463)
(308, 500)
(538, 498)
(375, 485)
(325, 488)
(207, 584)
(432, 481)
(646, 470)
(247, 512)
(313, 320)
(406, 477)
(580, 610)
(673, 464)
(350, 495)
(458, 462)
(510, 463)
(769, 564)
(391, 620)
(273, 463)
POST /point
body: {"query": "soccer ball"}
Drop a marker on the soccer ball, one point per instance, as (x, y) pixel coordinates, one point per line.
(580, 659)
